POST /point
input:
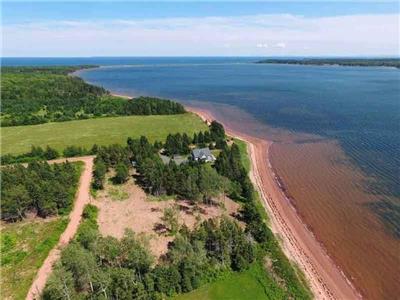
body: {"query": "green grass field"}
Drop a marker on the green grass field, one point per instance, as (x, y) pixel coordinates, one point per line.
(101, 131)
(252, 284)
(244, 155)
(24, 247)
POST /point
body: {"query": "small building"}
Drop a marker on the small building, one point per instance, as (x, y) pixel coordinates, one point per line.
(203, 154)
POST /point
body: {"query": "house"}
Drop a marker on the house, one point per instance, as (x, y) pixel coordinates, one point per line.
(203, 154)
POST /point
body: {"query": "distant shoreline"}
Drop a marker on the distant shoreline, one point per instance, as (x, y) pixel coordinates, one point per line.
(344, 62)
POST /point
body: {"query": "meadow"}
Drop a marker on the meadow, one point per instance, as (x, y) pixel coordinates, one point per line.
(101, 131)
(245, 158)
(24, 247)
(251, 284)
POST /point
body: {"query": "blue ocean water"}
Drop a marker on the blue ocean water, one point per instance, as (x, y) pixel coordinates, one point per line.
(358, 106)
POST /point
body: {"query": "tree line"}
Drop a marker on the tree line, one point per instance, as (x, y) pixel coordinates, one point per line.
(56, 70)
(39, 187)
(180, 144)
(33, 95)
(175, 144)
(98, 267)
(38, 153)
(193, 181)
(350, 62)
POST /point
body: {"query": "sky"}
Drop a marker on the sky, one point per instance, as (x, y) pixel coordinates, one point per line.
(240, 28)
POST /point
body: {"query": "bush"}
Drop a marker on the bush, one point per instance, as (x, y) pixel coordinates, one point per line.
(99, 174)
(51, 153)
(72, 151)
(121, 173)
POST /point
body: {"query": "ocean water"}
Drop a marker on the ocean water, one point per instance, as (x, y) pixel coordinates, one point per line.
(353, 111)
(360, 107)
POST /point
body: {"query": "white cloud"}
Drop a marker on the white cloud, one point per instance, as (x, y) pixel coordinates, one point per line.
(280, 45)
(281, 34)
(262, 45)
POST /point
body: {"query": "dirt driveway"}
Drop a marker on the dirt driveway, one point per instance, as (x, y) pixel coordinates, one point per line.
(82, 198)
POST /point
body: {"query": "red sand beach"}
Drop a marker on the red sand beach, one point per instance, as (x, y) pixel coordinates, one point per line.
(330, 197)
(325, 278)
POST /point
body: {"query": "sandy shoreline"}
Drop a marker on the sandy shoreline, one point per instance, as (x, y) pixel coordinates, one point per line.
(326, 280)
(121, 96)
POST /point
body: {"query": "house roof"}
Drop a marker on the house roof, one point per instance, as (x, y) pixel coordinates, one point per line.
(198, 153)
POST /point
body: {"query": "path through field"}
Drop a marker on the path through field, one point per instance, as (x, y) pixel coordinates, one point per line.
(82, 198)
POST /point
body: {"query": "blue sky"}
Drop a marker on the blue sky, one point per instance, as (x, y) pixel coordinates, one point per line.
(199, 28)
(19, 11)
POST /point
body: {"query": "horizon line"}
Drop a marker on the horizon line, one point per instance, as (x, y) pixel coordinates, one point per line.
(213, 56)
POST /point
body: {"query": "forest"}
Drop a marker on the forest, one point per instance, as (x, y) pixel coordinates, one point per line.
(35, 95)
(41, 188)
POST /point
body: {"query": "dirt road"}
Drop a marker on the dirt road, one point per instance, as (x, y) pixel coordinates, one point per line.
(82, 198)
(299, 244)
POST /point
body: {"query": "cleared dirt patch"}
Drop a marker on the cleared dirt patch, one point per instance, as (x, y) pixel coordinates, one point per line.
(143, 216)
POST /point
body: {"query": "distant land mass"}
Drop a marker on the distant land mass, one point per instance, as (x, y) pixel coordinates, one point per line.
(359, 62)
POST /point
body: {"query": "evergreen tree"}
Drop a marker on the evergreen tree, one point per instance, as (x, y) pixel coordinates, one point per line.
(185, 144)
(170, 219)
(51, 153)
(195, 139)
(207, 137)
(200, 138)
(99, 173)
(121, 173)
(170, 145)
(217, 131)
(15, 202)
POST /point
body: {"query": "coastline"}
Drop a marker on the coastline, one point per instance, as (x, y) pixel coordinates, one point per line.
(325, 279)
(121, 96)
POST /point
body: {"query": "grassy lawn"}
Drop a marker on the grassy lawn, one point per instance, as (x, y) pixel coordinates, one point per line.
(24, 247)
(101, 131)
(252, 284)
(244, 155)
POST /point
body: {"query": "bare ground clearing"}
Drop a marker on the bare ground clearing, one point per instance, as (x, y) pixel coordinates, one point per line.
(143, 216)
